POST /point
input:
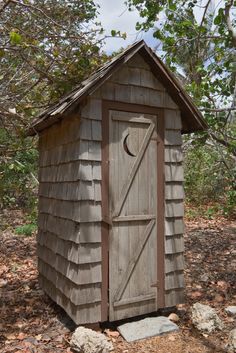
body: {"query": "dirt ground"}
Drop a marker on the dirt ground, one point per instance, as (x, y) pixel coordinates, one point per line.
(31, 323)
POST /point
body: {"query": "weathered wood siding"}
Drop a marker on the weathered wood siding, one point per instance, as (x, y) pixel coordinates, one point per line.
(134, 83)
(69, 237)
(174, 209)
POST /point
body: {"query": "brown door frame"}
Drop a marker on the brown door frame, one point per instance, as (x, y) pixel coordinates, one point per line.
(132, 108)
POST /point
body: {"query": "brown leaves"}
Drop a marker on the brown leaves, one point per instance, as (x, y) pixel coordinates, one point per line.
(38, 337)
(3, 283)
(30, 320)
(10, 337)
(3, 269)
(113, 336)
(196, 295)
(223, 285)
(219, 298)
(210, 275)
(21, 336)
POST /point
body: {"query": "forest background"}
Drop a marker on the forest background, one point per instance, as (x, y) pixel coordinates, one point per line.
(47, 47)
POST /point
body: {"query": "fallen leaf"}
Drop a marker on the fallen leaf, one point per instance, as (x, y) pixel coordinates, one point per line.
(20, 324)
(112, 333)
(3, 269)
(11, 336)
(29, 341)
(195, 295)
(2, 282)
(171, 338)
(46, 338)
(229, 319)
(219, 298)
(21, 336)
(59, 339)
(38, 337)
(223, 285)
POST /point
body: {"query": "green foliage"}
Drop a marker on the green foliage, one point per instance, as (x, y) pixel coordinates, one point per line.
(26, 229)
(207, 211)
(229, 208)
(115, 33)
(198, 44)
(204, 177)
(207, 179)
(15, 38)
(197, 41)
(18, 167)
(46, 48)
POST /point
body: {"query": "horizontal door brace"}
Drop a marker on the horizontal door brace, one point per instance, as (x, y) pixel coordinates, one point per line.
(134, 300)
(141, 217)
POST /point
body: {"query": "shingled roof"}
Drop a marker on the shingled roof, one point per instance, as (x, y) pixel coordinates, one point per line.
(191, 116)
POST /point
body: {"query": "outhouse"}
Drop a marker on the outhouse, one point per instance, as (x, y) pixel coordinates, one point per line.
(110, 226)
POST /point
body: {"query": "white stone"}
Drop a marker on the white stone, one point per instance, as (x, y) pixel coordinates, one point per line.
(205, 318)
(85, 340)
(231, 345)
(231, 310)
(149, 327)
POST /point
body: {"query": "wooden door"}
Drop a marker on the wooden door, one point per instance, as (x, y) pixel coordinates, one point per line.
(132, 214)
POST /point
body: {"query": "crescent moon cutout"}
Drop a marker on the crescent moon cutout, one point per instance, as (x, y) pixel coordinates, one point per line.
(126, 148)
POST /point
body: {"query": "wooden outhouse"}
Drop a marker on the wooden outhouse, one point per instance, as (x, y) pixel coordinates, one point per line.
(110, 227)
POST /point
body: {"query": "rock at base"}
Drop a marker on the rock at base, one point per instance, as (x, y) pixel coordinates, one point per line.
(85, 340)
(231, 310)
(231, 345)
(205, 318)
(149, 327)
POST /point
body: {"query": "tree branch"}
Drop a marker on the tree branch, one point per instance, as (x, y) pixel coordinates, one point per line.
(231, 29)
(217, 110)
(4, 6)
(223, 142)
(32, 7)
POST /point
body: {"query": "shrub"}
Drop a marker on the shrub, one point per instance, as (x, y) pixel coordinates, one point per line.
(210, 177)
(18, 167)
(26, 229)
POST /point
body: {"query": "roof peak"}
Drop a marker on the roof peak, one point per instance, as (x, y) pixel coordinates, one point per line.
(96, 79)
